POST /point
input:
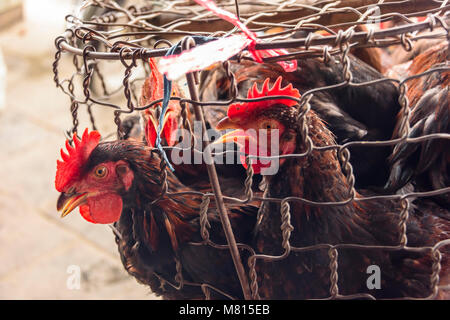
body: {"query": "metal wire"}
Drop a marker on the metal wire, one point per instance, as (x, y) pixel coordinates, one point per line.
(134, 33)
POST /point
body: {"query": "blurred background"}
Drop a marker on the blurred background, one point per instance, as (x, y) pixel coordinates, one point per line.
(43, 256)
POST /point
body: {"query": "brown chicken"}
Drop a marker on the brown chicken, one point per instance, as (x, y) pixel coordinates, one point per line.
(120, 182)
(426, 163)
(356, 113)
(318, 177)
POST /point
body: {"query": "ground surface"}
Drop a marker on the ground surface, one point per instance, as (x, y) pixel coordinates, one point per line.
(39, 251)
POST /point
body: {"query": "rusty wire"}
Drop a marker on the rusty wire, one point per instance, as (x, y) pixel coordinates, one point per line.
(133, 33)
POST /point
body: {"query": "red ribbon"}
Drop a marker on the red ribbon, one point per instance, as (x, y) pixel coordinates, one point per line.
(288, 66)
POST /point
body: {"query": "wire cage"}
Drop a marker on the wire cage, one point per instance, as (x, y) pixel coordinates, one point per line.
(132, 33)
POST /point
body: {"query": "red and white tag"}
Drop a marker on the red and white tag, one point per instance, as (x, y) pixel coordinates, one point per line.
(202, 56)
(219, 50)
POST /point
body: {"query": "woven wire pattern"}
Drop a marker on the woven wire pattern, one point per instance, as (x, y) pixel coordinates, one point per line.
(133, 33)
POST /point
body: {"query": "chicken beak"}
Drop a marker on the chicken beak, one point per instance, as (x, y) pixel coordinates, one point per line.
(238, 136)
(68, 202)
(153, 122)
(166, 116)
(227, 123)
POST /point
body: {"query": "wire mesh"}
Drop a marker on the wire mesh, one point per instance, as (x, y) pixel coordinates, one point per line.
(133, 33)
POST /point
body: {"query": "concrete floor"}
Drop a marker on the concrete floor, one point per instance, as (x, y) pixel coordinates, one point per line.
(38, 250)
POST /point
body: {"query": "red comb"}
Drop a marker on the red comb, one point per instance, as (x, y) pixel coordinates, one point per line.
(153, 88)
(242, 110)
(70, 168)
(157, 77)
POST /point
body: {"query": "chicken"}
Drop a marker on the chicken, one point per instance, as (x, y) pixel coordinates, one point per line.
(318, 177)
(153, 89)
(426, 163)
(120, 182)
(231, 176)
(356, 113)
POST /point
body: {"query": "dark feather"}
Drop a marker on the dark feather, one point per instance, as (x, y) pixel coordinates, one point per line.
(357, 113)
(318, 177)
(427, 162)
(154, 234)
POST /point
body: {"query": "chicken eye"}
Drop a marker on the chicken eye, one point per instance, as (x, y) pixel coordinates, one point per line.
(100, 171)
(269, 125)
